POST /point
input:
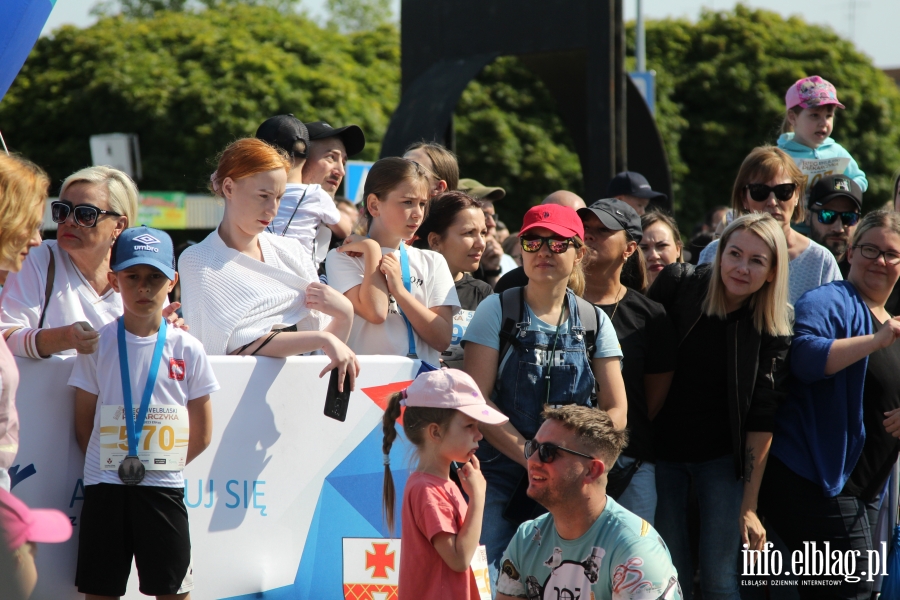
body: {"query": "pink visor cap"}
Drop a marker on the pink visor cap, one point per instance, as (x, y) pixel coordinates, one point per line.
(22, 524)
(452, 388)
(811, 91)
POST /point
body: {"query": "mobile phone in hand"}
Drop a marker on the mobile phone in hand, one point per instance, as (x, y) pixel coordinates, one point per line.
(336, 403)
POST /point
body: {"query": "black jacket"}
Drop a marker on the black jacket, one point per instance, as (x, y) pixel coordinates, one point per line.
(757, 367)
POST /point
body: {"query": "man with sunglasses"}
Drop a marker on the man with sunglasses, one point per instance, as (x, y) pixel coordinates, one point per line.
(587, 546)
(834, 205)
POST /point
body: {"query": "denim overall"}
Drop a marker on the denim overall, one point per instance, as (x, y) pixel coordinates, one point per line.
(520, 392)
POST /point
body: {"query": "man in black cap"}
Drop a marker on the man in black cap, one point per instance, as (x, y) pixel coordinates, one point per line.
(834, 205)
(304, 206)
(328, 153)
(634, 189)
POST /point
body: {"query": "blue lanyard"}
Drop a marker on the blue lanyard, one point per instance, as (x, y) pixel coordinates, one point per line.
(407, 283)
(135, 426)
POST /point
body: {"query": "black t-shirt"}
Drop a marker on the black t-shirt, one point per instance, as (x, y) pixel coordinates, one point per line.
(648, 340)
(514, 278)
(881, 393)
(693, 425)
(471, 292)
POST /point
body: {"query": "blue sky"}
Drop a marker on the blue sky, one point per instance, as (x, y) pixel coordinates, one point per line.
(873, 28)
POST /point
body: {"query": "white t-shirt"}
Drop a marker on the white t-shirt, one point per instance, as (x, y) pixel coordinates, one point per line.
(98, 373)
(317, 207)
(431, 283)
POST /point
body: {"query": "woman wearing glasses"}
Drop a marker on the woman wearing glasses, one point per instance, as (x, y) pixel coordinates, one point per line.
(55, 304)
(769, 181)
(715, 428)
(547, 359)
(836, 436)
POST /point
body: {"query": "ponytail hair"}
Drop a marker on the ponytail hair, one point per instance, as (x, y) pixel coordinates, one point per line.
(415, 420)
(388, 173)
(576, 279)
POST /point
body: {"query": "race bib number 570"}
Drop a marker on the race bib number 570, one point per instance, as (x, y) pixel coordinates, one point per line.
(164, 439)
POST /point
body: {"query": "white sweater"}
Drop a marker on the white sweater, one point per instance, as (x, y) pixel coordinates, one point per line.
(231, 299)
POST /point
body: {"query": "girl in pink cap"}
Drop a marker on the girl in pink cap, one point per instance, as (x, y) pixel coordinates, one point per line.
(806, 133)
(439, 531)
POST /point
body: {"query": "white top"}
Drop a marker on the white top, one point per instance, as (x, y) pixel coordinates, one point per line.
(432, 285)
(303, 225)
(73, 299)
(814, 266)
(507, 264)
(231, 299)
(98, 373)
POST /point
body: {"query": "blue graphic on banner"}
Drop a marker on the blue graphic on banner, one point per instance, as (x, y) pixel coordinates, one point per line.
(355, 179)
(21, 22)
(349, 506)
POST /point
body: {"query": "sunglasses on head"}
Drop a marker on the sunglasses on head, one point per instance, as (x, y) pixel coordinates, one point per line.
(547, 451)
(761, 191)
(827, 217)
(533, 243)
(85, 215)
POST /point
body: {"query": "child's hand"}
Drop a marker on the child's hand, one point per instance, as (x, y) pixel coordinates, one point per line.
(357, 245)
(393, 274)
(172, 318)
(328, 300)
(892, 422)
(472, 480)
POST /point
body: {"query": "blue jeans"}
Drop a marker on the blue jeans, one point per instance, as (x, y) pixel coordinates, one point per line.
(719, 493)
(640, 495)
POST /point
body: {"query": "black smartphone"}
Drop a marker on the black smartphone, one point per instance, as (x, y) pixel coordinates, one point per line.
(336, 403)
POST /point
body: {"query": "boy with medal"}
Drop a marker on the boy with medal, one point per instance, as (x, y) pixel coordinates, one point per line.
(142, 413)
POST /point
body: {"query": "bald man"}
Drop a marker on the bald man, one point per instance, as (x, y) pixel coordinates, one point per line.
(517, 277)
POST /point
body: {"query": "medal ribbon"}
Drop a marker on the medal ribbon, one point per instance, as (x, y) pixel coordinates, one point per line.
(135, 426)
(407, 283)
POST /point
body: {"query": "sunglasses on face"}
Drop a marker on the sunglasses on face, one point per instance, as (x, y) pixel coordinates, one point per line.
(827, 217)
(760, 191)
(547, 451)
(85, 215)
(873, 252)
(533, 243)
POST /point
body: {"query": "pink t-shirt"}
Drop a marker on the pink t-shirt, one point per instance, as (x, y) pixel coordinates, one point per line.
(431, 505)
(9, 418)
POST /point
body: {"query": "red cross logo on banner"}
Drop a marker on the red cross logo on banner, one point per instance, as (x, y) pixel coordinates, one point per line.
(380, 561)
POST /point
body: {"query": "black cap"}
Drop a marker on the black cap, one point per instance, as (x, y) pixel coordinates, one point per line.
(835, 186)
(616, 215)
(352, 136)
(630, 183)
(283, 131)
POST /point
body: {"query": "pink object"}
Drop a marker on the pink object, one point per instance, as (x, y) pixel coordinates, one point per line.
(811, 91)
(561, 220)
(23, 524)
(452, 388)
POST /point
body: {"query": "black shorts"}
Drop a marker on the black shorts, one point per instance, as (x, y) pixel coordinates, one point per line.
(148, 523)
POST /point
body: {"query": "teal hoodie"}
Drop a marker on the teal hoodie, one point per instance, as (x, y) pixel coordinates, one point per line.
(828, 149)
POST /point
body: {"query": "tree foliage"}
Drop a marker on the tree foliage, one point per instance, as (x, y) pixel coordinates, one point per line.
(189, 83)
(358, 15)
(723, 80)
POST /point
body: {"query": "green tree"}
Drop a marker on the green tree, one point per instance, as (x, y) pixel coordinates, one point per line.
(189, 83)
(358, 15)
(509, 134)
(723, 81)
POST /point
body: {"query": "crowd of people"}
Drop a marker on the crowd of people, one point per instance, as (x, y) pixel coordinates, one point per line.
(583, 375)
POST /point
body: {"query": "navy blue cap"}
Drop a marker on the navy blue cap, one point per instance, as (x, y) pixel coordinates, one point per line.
(631, 183)
(144, 246)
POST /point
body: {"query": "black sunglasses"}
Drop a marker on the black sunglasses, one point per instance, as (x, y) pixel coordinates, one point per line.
(760, 191)
(827, 217)
(547, 451)
(85, 215)
(533, 243)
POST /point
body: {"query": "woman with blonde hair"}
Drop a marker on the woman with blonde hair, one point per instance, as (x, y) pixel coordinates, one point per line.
(55, 304)
(715, 428)
(769, 181)
(441, 164)
(836, 435)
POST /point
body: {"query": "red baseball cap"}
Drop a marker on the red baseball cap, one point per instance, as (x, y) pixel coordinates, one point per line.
(561, 220)
(23, 524)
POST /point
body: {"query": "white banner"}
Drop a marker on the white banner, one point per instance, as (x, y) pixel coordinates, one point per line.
(270, 501)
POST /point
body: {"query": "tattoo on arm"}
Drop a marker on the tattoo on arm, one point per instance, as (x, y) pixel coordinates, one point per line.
(749, 459)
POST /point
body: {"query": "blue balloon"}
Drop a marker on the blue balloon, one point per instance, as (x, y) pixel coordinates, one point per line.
(21, 22)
